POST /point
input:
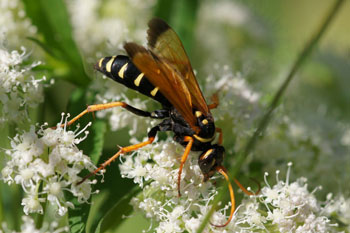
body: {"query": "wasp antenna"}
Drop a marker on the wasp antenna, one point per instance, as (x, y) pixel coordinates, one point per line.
(259, 186)
(245, 190)
(93, 115)
(89, 175)
(223, 172)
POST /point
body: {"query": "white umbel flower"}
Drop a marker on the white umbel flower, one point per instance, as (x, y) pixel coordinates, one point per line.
(107, 24)
(284, 207)
(15, 26)
(19, 89)
(49, 159)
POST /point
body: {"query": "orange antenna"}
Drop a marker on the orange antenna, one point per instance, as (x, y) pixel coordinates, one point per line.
(223, 172)
(245, 190)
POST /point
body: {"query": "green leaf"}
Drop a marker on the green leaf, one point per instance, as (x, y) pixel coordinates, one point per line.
(113, 217)
(163, 9)
(77, 216)
(52, 20)
(95, 140)
(181, 15)
(44, 46)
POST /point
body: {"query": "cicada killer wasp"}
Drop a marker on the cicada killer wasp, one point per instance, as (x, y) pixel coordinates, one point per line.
(163, 72)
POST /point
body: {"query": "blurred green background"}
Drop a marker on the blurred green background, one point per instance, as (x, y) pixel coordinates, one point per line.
(259, 39)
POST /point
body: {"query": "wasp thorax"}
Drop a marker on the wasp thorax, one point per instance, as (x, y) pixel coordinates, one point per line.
(210, 159)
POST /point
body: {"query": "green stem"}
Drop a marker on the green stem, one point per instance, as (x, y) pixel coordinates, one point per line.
(242, 155)
(39, 220)
(16, 194)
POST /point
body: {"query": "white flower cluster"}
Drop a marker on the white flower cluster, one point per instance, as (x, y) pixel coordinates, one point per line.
(14, 24)
(315, 146)
(28, 226)
(159, 199)
(291, 207)
(49, 159)
(108, 24)
(284, 207)
(339, 207)
(19, 89)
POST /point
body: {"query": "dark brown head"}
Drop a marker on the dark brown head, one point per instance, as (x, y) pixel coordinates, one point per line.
(206, 125)
(210, 159)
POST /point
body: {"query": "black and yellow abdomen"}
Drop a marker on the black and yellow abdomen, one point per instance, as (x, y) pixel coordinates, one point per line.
(122, 70)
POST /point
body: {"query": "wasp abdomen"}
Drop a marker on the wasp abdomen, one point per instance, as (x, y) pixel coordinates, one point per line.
(122, 70)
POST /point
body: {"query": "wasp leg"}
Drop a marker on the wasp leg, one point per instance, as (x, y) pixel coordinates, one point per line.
(215, 101)
(115, 156)
(219, 130)
(158, 114)
(151, 136)
(183, 160)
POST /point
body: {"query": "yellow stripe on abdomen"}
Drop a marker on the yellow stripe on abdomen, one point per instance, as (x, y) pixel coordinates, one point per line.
(137, 81)
(100, 63)
(154, 91)
(109, 64)
(122, 70)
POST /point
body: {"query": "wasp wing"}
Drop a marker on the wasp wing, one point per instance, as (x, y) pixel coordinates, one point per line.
(165, 43)
(163, 76)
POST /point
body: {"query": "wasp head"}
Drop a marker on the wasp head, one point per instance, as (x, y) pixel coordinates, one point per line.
(210, 159)
(206, 124)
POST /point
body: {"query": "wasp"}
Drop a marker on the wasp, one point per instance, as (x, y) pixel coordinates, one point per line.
(164, 73)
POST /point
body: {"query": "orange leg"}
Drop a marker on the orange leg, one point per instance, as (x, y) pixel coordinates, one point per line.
(94, 108)
(219, 130)
(215, 101)
(99, 107)
(183, 160)
(122, 150)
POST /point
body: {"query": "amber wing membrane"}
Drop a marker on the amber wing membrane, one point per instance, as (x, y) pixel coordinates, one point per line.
(162, 75)
(165, 43)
